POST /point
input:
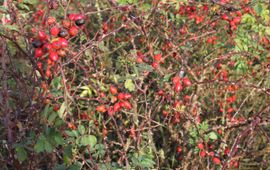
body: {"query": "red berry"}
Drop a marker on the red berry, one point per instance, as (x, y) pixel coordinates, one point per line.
(226, 151)
(127, 105)
(127, 96)
(116, 107)
(216, 161)
(38, 53)
(122, 104)
(154, 64)
(177, 104)
(111, 111)
(157, 57)
(230, 110)
(165, 113)
(186, 81)
(139, 60)
(105, 28)
(61, 53)
(211, 153)
(225, 17)
(202, 153)
(66, 23)
(50, 62)
(179, 149)
(160, 92)
(51, 20)
(200, 146)
(78, 17)
(239, 13)
(47, 47)
(101, 108)
(236, 164)
(63, 42)
(39, 64)
(48, 73)
(54, 31)
(113, 90)
(72, 16)
(187, 98)
(73, 31)
(178, 87)
(121, 96)
(42, 35)
(53, 56)
(140, 54)
(237, 20)
(176, 79)
(221, 109)
(56, 107)
(231, 99)
(219, 131)
(56, 45)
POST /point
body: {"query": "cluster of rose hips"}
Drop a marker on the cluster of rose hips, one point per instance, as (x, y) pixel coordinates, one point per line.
(176, 105)
(157, 59)
(178, 83)
(55, 41)
(120, 102)
(193, 13)
(234, 19)
(199, 13)
(203, 153)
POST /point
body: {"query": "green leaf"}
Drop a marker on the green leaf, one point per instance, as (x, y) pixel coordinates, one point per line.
(61, 111)
(76, 166)
(88, 140)
(147, 163)
(143, 161)
(32, 2)
(249, 19)
(3, 9)
(39, 146)
(68, 151)
(146, 7)
(145, 67)
(46, 111)
(11, 47)
(48, 147)
(122, 2)
(213, 135)
(267, 30)
(52, 117)
(167, 77)
(203, 126)
(241, 66)
(12, 27)
(56, 82)
(81, 129)
(129, 85)
(102, 46)
(258, 8)
(60, 167)
(23, 6)
(84, 93)
(59, 140)
(72, 133)
(21, 153)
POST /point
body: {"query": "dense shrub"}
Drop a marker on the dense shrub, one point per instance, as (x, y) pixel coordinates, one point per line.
(133, 84)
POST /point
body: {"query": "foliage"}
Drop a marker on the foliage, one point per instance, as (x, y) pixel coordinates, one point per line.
(132, 84)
